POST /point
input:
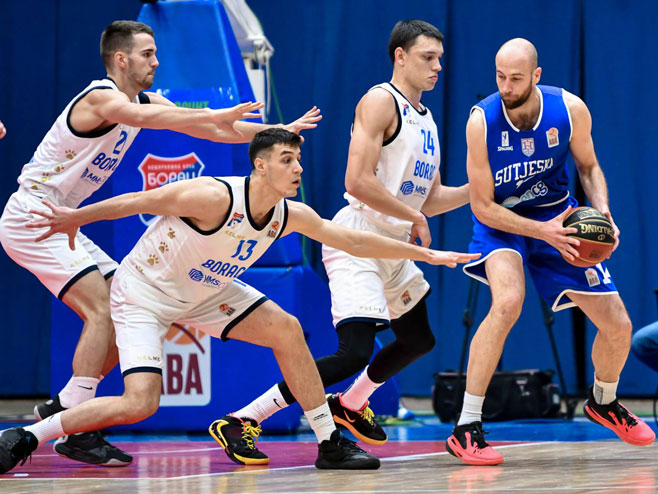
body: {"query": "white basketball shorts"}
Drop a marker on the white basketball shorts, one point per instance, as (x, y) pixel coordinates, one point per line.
(51, 260)
(142, 315)
(370, 290)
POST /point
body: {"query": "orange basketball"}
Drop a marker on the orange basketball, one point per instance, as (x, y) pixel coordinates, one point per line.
(595, 233)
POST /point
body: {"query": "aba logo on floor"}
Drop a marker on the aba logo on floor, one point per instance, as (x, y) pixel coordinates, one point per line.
(159, 170)
(186, 375)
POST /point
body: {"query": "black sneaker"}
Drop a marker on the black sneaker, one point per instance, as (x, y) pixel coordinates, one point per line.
(91, 447)
(361, 423)
(238, 437)
(51, 407)
(16, 445)
(88, 447)
(339, 453)
(620, 420)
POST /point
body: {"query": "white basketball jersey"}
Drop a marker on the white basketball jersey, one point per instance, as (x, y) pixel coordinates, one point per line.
(408, 162)
(69, 166)
(190, 264)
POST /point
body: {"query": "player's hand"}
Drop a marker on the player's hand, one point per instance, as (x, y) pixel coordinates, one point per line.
(614, 229)
(3, 130)
(420, 230)
(57, 220)
(307, 121)
(225, 118)
(555, 234)
(449, 258)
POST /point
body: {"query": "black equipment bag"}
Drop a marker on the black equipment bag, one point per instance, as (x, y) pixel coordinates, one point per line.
(511, 395)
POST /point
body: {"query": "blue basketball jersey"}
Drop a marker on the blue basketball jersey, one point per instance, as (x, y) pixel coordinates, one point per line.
(529, 166)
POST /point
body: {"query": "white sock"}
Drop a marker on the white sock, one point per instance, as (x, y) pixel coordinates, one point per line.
(264, 406)
(471, 409)
(321, 421)
(78, 390)
(604, 393)
(48, 428)
(356, 396)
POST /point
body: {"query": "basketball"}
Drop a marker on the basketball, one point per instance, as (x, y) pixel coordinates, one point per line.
(595, 233)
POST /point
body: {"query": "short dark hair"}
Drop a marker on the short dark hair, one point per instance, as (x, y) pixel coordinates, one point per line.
(404, 35)
(267, 138)
(118, 36)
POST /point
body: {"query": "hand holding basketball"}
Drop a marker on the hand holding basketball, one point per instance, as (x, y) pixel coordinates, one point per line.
(557, 235)
(598, 237)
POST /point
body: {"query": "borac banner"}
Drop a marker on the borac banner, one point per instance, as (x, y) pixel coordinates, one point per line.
(159, 170)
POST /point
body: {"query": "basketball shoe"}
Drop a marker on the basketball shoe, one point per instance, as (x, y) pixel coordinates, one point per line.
(620, 420)
(361, 423)
(339, 453)
(16, 445)
(238, 437)
(87, 447)
(467, 443)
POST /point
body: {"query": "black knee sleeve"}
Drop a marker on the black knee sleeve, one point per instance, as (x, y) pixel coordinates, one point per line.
(413, 339)
(356, 341)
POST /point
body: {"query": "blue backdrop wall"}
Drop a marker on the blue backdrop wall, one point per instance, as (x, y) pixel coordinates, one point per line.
(329, 54)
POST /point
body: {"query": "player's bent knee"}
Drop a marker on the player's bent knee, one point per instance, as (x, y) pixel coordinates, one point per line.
(426, 344)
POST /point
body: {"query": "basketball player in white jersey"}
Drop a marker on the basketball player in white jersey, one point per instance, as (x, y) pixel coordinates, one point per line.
(392, 182)
(185, 269)
(78, 154)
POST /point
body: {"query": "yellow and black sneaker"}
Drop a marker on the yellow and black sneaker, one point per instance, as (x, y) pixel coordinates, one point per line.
(361, 423)
(238, 437)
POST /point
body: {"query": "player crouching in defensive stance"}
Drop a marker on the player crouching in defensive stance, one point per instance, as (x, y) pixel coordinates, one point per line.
(211, 228)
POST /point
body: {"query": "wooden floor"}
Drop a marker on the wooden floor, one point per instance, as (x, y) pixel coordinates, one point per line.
(199, 467)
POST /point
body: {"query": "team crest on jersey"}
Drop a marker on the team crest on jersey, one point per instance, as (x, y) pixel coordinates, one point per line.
(273, 230)
(236, 220)
(552, 137)
(405, 109)
(528, 146)
(159, 170)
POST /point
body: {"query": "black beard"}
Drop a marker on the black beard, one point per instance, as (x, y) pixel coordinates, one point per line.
(520, 101)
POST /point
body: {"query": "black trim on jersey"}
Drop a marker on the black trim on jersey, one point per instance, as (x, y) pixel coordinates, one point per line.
(93, 133)
(399, 126)
(253, 224)
(239, 318)
(423, 112)
(143, 98)
(285, 219)
(189, 223)
(110, 274)
(154, 370)
(382, 324)
(71, 282)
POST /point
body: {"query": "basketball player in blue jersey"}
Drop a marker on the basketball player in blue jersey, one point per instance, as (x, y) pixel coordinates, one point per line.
(202, 243)
(77, 155)
(392, 182)
(518, 141)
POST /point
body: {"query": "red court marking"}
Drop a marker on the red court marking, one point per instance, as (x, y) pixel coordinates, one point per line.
(168, 459)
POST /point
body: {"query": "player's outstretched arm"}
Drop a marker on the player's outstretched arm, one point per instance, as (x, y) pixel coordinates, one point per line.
(204, 200)
(244, 131)
(115, 107)
(304, 220)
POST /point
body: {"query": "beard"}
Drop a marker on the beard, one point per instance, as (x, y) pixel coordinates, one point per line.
(511, 105)
(144, 81)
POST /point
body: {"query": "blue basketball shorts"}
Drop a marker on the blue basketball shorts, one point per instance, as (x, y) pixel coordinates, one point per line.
(554, 277)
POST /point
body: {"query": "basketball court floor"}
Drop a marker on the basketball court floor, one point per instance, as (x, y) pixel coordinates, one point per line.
(541, 456)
